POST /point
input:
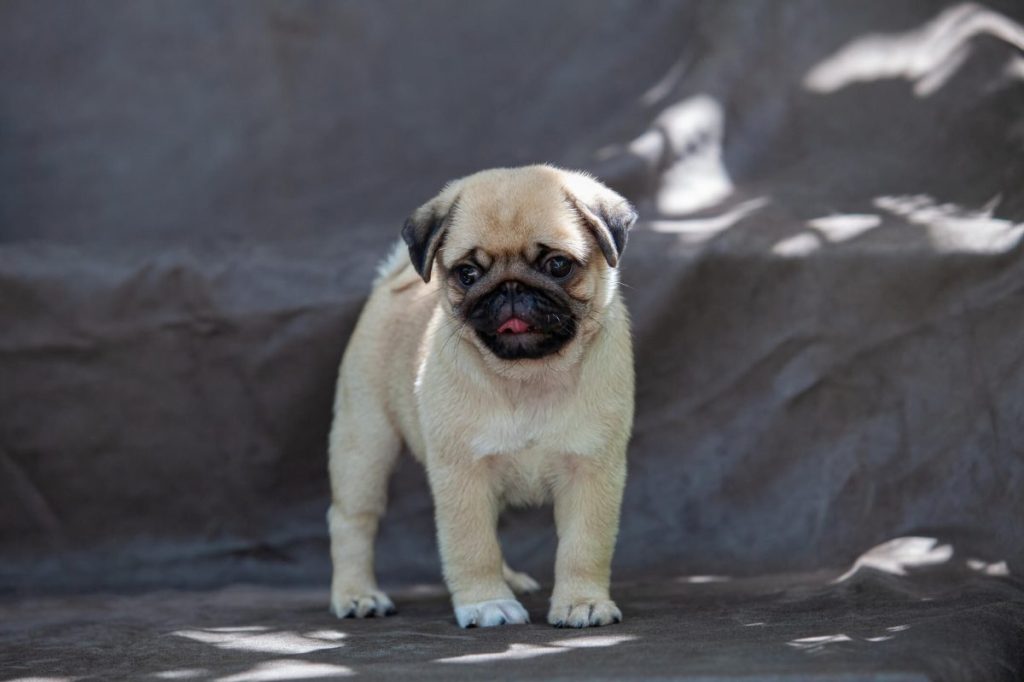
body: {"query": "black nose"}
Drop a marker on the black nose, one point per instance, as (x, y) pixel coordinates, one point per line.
(512, 288)
(512, 298)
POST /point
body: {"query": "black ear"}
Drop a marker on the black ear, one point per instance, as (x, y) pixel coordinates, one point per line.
(609, 218)
(423, 236)
(423, 233)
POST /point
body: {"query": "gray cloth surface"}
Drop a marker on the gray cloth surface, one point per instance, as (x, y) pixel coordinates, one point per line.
(827, 280)
(786, 627)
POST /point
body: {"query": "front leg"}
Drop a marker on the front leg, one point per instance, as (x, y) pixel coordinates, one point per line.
(587, 504)
(466, 510)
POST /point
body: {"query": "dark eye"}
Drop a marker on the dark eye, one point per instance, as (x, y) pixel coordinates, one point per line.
(558, 267)
(467, 274)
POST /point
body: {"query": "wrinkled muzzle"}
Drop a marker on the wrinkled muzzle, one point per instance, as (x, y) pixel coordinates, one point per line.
(516, 321)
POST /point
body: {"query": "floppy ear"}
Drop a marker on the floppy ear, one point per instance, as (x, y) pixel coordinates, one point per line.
(424, 230)
(608, 216)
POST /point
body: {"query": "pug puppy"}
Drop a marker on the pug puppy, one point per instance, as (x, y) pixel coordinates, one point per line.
(499, 353)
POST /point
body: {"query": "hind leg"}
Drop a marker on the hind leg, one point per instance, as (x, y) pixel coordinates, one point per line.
(521, 583)
(362, 452)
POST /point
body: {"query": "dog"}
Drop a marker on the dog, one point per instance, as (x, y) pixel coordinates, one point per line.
(499, 353)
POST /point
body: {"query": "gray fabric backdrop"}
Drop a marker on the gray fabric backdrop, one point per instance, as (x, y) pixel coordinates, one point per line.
(827, 281)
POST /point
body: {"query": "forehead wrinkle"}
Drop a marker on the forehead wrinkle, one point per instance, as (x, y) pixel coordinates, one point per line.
(509, 218)
(482, 257)
(575, 246)
(477, 255)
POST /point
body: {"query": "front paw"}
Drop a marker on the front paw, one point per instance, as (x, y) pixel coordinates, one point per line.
(487, 614)
(365, 603)
(583, 613)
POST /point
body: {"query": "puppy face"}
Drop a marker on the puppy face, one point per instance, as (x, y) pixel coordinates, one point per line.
(525, 256)
(523, 305)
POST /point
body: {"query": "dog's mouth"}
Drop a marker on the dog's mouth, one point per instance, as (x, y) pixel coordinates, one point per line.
(526, 345)
(517, 322)
(525, 339)
(514, 325)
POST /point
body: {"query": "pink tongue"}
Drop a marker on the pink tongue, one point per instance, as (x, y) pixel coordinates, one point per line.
(513, 325)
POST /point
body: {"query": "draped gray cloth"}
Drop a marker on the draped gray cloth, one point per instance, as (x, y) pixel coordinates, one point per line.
(826, 283)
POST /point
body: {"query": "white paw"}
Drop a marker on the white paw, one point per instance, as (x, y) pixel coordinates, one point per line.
(584, 613)
(487, 614)
(361, 604)
(520, 583)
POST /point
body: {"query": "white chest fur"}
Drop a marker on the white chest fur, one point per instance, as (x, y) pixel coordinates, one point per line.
(525, 447)
(502, 432)
(549, 424)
